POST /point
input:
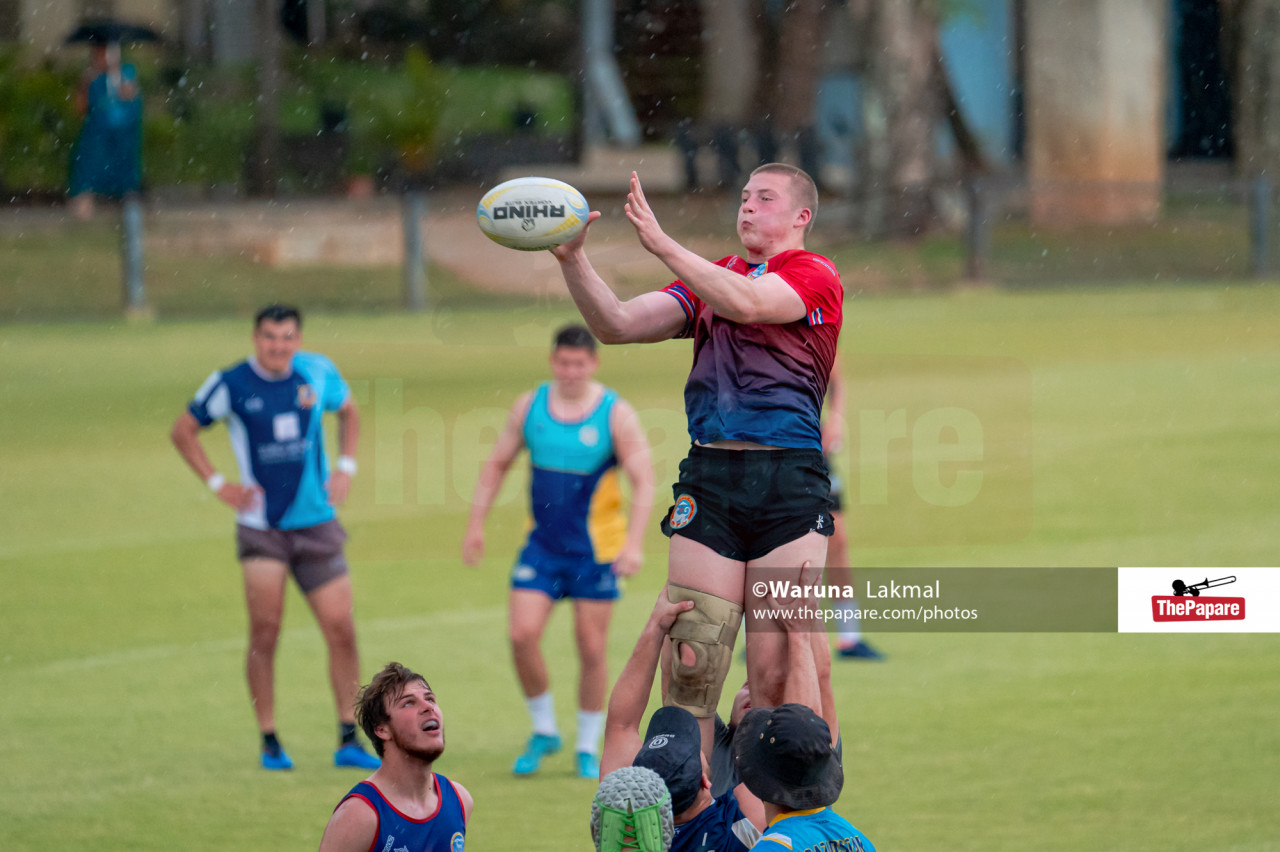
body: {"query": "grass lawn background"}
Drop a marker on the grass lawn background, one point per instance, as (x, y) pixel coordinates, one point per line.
(1136, 426)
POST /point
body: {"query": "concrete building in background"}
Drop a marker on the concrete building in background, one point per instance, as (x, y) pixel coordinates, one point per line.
(1095, 110)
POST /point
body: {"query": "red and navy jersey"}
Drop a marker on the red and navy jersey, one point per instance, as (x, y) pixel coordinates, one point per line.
(763, 382)
(443, 831)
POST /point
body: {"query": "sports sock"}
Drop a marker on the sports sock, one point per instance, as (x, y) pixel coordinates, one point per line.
(542, 712)
(590, 724)
(346, 733)
(850, 633)
(270, 744)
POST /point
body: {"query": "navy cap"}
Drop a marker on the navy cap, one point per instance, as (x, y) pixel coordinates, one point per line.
(673, 749)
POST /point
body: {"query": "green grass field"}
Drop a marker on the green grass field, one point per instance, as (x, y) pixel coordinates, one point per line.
(1118, 427)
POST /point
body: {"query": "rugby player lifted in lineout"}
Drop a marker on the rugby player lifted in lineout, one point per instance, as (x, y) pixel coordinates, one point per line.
(753, 494)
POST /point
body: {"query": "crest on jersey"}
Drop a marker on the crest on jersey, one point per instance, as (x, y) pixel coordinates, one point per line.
(683, 511)
(589, 435)
(457, 842)
(306, 396)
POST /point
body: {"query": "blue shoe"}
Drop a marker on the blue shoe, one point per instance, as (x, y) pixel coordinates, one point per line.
(588, 765)
(277, 760)
(860, 651)
(352, 754)
(539, 746)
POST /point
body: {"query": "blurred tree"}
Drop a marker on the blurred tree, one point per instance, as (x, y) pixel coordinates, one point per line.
(901, 104)
(730, 68)
(1252, 34)
(794, 96)
(262, 171)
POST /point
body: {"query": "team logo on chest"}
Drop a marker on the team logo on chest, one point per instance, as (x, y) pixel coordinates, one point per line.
(306, 396)
(589, 436)
(683, 511)
(457, 842)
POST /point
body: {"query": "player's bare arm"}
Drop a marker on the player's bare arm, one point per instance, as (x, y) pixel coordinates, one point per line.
(185, 436)
(630, 696)
(352, 828)
(766, 299)
(648, 318)
(464, 796)
(348, 439)
(632, 449)
(801, 685)
(494, 471)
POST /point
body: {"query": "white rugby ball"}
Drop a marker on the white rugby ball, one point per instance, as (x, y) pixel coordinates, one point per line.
(532, 213)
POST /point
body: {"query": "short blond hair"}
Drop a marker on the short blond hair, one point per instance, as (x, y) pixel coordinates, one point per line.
(804, 192)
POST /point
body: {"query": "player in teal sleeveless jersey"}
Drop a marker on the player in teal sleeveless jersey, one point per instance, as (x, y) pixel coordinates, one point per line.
(578, 433)
(273, 406)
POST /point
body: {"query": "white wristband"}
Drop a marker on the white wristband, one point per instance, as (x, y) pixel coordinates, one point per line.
(215, 482)
(347, 465)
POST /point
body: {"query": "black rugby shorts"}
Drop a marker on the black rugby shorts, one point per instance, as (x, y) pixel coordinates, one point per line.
(745, 503)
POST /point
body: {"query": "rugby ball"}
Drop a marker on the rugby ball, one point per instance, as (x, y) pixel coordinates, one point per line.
(532, 213)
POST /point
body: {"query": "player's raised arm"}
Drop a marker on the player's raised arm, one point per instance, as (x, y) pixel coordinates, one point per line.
(494, 471)
(766, 299)
(630, 696)
(648, 318)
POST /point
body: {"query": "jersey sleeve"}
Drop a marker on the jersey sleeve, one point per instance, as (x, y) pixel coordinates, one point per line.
(815, 280)
(689, 303)
(336, 391)
(212, 402)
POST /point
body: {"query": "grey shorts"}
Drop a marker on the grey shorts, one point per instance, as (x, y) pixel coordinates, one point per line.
(314, 554)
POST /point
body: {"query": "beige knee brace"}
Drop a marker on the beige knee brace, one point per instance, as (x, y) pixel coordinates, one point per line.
(709, 629)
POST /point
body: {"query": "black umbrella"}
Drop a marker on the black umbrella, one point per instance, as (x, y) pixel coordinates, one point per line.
(111, 32)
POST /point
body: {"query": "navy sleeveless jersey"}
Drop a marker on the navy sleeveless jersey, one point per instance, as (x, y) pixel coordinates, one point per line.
(722, 827)
(443, 831)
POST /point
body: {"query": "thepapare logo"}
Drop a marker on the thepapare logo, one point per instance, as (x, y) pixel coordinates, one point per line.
(1185, 604)
(527, 212)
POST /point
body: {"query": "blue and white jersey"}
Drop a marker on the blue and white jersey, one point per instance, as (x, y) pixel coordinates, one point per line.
(722, 827)
(278, 436)
(817, 830)
(443, 831)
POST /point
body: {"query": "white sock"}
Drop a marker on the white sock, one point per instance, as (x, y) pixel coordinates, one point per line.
(542, 712)
(850, 633)
(590, 725)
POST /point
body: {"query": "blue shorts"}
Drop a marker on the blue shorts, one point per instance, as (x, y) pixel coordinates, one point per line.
(559, 576)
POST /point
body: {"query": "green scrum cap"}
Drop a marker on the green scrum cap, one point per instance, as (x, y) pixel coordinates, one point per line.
(631, 812)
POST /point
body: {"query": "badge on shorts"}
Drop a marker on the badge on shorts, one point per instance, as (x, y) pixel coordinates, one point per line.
(683, 511)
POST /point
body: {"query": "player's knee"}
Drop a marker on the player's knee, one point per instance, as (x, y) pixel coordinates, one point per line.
(703, 639)
(523, 638)
(263, 633)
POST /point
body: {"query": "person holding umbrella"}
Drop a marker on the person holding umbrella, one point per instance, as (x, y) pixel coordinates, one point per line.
(107, 157)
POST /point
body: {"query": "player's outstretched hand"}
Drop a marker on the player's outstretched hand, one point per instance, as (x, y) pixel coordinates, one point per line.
(242, 498)
(641, 216)
(472, 548)
(566, 251)
(339, 487)
(665, 612)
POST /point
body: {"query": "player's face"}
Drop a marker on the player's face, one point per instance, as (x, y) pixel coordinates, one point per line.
(572, 367)
(416, 725)
(275, 344)
(767, 216)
